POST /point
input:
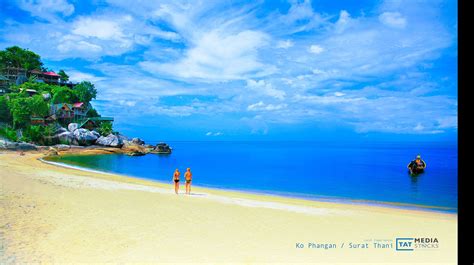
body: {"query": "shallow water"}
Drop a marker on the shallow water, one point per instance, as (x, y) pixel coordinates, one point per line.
(373, 172)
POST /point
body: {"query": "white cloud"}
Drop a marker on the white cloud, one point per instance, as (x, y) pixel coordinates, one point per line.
(260, 106)
(265, 88)
(285, 44)
(218, 55)
(77, 76)
(343, 22)
(47, 9)
(393, 19)
(103, 29)
(316, 49)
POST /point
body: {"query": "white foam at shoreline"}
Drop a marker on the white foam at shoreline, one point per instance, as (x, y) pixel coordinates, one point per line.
(94, 183)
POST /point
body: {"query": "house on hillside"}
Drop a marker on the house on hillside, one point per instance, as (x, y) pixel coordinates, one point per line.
(80, 110)
(19, 75)
(62, 111)
(94, 123)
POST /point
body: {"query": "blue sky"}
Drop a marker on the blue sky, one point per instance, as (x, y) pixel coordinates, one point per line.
(243, 70)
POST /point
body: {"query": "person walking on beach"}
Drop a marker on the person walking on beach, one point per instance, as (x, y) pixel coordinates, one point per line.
(189, 177)
(176, 180)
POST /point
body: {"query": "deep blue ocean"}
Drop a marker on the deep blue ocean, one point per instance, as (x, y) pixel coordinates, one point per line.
(374, 172)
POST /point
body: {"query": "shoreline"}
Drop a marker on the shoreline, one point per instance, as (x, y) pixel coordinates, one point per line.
(282, 195)
(119, 219)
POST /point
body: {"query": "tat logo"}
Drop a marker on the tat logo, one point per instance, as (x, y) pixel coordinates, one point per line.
(404, 244)
(409, 244)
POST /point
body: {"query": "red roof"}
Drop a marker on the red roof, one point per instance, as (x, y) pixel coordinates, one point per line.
(51, 73)
(78, 105)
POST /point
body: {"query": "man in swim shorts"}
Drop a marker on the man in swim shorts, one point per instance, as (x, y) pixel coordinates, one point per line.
(189, 177)
(176, 180)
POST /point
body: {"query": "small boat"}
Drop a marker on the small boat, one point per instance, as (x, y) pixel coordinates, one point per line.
(416, 170)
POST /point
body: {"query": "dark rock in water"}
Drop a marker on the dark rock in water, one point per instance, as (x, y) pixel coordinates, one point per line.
(136, 153)
(162, 148)
(110, 140)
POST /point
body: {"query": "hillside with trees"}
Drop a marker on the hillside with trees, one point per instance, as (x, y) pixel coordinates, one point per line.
(29, 104)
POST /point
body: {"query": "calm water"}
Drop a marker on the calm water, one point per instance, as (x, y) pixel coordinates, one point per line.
(374, 172)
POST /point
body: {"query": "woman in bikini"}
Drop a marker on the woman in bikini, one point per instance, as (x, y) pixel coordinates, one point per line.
(189, 177)
(176, 180)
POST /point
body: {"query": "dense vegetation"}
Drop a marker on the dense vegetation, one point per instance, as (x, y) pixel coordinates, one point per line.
(17, 107)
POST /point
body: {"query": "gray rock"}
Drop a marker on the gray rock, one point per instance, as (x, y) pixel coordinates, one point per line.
(8, 145)
(137, 141)
(72, 127)
(66, 138)
(62, 147)
(85, 137)
(109, 140)
(122, 137)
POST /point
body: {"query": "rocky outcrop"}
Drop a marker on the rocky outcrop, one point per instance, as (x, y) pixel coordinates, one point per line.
(85, 137)
(67, 138)
(136, 153)
(15, 146)
(110, 140)
(137, 141)
(161, 148)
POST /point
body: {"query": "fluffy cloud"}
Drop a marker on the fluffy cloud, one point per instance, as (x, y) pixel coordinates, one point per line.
(368, 70)
(265, 88)
(260, 106)
(47, 9)
(316, 49)
(218, 55)
(393, 19)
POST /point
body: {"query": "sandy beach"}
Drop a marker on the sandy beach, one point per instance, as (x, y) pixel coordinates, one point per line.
(52, 214)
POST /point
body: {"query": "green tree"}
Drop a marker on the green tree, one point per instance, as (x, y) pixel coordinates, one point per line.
(63, 94)
(38, 107)
(5, 115)
(105, 128)
(85, 91)
(20, 112)
(23, 108)
(20, 58)
(9, 133)
(33, 133)
(64, 76)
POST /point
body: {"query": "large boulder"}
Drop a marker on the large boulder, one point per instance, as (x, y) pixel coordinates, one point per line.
(67, 138)
(137, 141)
(85, 137)
(110, 140)
(162, 148)
(72, 127)
(8, 145)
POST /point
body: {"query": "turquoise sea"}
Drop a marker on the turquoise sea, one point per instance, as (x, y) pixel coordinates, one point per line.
(364, 172)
